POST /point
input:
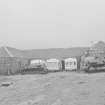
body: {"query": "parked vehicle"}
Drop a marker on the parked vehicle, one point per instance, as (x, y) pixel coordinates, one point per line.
(70, 64)
(92, 64)
(53, 65)
(93, 61)
(36, 66)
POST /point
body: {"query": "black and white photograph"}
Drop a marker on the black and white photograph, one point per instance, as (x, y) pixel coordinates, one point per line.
(52, 52)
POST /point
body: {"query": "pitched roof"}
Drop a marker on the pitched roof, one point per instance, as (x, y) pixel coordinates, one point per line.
(3, 52)
(10, 52)
(14, 52)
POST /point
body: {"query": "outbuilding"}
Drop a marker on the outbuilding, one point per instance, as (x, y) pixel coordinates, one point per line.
(70, 64)
(53, 64)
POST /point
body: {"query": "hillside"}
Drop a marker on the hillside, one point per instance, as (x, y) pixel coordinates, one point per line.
(42, 53)
(59, 53)
(54, 53)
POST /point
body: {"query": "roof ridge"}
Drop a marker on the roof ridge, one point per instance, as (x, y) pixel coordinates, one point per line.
(8, 52)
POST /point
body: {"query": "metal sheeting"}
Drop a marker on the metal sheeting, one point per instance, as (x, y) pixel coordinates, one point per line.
(12, 65)
(9, 68)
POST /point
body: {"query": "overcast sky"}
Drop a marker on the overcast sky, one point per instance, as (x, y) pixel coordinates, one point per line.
(29, 24)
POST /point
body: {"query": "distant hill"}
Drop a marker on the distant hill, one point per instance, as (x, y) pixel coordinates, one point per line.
(59, 53)
(42, 53)
(55, 53)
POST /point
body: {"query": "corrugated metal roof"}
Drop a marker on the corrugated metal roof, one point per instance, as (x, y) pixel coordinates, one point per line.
(14, 52)
(10, 52)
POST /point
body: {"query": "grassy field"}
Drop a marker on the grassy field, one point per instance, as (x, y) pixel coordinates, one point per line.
(64, 88)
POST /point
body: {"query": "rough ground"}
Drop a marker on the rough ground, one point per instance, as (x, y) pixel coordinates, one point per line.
(53, 89)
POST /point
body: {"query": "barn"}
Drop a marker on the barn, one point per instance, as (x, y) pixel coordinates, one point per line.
(11, 61)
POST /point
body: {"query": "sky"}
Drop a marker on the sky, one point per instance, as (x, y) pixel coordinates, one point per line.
(36, 24)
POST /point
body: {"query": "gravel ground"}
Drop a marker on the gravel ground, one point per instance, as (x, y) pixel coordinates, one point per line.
(66, 88)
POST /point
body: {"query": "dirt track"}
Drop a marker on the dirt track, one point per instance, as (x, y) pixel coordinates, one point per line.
(54, 89)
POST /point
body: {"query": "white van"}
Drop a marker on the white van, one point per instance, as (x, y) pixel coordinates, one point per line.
(53, 65)
(70, 64)
(34, 63)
